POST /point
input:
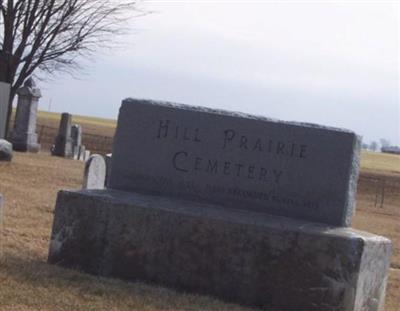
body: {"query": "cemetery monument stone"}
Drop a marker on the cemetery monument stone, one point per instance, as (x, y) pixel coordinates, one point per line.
(24, 136)
(236, 206)
(95, 172)
(63, 143)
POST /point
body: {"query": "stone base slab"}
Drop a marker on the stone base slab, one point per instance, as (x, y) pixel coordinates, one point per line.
(63, 147)
(26, 147)
(26, 142)
(246, 257)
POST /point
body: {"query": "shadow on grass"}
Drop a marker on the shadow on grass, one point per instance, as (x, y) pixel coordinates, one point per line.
(36, 274)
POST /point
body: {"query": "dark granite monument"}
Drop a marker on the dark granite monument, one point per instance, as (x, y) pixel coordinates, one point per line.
(64, 141)
(290, 169)
(76, 136)
(240, 207)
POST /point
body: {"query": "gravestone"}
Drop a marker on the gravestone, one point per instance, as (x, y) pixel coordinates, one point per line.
(95, 172)
(86, 155)
(6, 150)
(24, 136)
(244, 208)
(82, 153)
(4, 100)
(290, 169)
(63, 142)
(76, 136)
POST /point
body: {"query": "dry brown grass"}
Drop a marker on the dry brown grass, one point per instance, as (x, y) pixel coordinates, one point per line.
(380, 163)
(90, 125)
(30, 184)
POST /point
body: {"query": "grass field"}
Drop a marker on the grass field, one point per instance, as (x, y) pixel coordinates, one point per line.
(380, 163)
(30, 184)
(55, 117)
(90, 125)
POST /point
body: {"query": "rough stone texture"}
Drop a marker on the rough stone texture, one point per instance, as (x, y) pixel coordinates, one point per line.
(242, 256)
(291, 169)
(4, 99)
(95, 172)
(6, 150)
(63, 143)
(24, 136)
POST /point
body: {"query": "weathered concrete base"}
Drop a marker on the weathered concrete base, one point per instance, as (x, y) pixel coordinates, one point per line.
(241, 256)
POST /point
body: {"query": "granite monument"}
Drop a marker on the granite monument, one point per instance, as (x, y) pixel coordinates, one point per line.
(76, 136)
(63, 142)
(240, 207)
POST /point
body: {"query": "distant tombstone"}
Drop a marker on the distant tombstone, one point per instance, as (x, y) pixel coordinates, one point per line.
(76, 136)
(86, 155)
(24, 136)
(81, 153)
(4, 101)
(63, 143)
(95, 172)
(5, 150)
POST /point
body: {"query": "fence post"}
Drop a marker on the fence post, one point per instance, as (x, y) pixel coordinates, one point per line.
(383, 192)
(41, 133)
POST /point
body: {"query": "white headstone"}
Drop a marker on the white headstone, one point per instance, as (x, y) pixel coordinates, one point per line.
(95, 172)
(86, 155)
(81, 153)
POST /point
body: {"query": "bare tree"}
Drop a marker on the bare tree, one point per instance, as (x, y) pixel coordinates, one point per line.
(51, 35)
(384, 142)
(373, 145)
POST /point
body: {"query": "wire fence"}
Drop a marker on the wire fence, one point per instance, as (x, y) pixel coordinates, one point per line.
(380, 193)
(95, 143)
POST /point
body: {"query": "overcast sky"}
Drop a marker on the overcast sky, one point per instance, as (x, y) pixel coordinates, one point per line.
(333, 62)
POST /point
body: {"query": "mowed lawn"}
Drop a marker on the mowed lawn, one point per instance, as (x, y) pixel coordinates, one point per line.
(30, 184)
